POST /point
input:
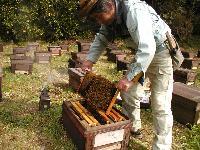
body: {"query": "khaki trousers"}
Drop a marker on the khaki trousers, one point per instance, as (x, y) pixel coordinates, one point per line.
(160, 73)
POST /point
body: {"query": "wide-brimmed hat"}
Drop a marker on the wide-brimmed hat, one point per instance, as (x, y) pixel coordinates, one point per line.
(85, 6)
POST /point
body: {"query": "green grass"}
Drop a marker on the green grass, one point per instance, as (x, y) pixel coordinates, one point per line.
(24, 127)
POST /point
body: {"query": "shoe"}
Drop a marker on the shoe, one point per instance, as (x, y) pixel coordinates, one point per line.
(137, 134)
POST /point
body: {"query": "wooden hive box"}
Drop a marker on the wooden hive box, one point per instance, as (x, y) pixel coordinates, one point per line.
(33, 46)
(1, 75)
(189, 63)
(83, 46)
(42, 57)
(55, 50)
(89, 128)
(186, 104)
(20, 51)
(74, 63)
(64, 47)
(188, 54)
(79, 55)
(75, 77)
(112, 56)
(21, 64)
(186, 76)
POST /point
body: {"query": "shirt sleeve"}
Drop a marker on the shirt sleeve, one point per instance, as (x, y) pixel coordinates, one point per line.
(139, 24)
(99, 44)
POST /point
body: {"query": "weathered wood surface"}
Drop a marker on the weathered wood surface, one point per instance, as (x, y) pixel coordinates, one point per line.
(115, 135)
(186, 76)
(21, 64)
(188, 54)
(186, 103)
(42, 57)
(74, 63)
(75, 77)
(83, 45)
(191, 63)
(79, 55)
(112, 56)
(20, 51)
(55, 50)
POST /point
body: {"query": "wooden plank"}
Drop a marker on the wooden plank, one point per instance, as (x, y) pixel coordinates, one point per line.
(104, 116)
(86, 118)
(112, 102)
(87, 113)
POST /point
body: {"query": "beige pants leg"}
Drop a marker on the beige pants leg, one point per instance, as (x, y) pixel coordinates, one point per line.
(160, 73)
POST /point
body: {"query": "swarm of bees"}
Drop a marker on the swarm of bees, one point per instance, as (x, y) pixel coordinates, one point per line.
(97, 91)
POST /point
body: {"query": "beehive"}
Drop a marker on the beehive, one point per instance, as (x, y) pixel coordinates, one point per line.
(186, 104)
(42, 57)
(21, 64)
(87, 122)
(55, 50)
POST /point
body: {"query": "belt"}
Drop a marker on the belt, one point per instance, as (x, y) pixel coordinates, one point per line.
(161, 47)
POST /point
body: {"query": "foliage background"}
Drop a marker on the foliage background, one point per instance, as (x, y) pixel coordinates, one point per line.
(53, 20)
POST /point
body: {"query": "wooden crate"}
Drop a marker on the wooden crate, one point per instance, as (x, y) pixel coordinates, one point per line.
(186, 104)
(79, 55)
(21, 64)
(42, 57)
(83, 46)
(20, 51)
(112, 56)
(55, 50)
(188, 54)
(75, 77)
(64, 47)
(186, 76)
(33, 46)
(74, 63)
(189, 63)
(113, 136)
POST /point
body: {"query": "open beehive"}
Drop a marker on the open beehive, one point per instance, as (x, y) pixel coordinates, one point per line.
(92, 121)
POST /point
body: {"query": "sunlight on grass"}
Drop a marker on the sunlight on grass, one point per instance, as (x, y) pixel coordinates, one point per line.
(23, 126)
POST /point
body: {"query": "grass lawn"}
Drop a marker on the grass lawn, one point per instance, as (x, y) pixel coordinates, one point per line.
(23, 127)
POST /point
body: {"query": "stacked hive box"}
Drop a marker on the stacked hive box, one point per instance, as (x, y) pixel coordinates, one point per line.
(19, 51)
(21, 64)
(186, 104)
(32, 48)
(88, 123)
(187, 74)
(78, 57)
